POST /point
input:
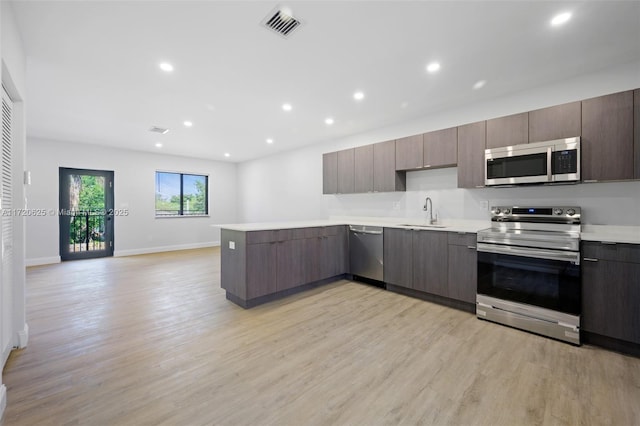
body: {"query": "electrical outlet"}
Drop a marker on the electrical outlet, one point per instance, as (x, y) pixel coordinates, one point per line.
(485, 204)
(396, 205)
(232, 245)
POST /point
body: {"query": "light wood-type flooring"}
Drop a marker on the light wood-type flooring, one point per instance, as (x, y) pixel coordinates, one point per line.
(150, 340)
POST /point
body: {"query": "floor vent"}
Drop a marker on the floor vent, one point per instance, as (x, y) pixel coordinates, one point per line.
(282, 22)
(157, 129)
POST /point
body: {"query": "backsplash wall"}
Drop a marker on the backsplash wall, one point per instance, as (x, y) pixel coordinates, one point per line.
(611, 203)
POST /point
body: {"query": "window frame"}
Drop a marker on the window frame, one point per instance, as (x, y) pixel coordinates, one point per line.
(180, 213)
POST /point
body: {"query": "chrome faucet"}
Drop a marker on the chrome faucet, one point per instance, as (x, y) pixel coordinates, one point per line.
(428, 205)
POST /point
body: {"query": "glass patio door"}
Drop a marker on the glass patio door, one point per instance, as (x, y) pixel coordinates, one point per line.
(86, 213)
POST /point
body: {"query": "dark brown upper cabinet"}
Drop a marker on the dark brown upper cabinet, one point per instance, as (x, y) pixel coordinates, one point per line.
(346, 171)
(330, 173)
(471, 146)
(409, 153)
(441, 148)
(363, 163)
(636, 132)
(556, 122)
(507, 131)
(607, 137)
(385, 176)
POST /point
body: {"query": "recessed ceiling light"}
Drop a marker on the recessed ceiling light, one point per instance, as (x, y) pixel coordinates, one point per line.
(358, 96)
(158, 145)
(328, 121)
(433, 67)
(166, 66)
(188, 123)
(287, 107)
(269, 141)
(560, 18)
(226, 154)
(404, 104)
(479, 84)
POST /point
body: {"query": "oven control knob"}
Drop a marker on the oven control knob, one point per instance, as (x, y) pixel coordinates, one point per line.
(497, 211)
(557, 212)
(507, 211)
(571, 212)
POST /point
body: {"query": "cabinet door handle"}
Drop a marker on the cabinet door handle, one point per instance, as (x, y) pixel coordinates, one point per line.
(471, 247)
(608, 243)
(589, 259)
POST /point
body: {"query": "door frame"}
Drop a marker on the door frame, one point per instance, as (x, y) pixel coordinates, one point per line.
(64, 208)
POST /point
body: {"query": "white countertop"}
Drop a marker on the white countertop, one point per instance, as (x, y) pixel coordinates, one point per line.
(609, 233)
(471, 226)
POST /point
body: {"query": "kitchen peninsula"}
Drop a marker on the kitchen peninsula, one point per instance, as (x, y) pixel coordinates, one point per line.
(267, 261)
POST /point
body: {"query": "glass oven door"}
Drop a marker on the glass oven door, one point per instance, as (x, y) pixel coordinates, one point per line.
(546, 278)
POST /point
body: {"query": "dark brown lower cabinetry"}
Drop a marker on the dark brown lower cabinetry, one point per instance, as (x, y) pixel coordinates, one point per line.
(611, 296)
(463, 267)
(261, 271)
(398, 257)
(431, 265)
(261, 266)
(437, 266)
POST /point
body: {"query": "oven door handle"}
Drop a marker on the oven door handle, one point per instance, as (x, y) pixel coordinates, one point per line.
(573, 257)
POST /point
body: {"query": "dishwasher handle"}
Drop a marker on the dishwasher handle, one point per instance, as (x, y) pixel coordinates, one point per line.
(377, 231)
(368, 232)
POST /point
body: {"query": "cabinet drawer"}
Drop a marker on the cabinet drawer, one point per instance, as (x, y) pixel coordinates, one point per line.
(611, 251)
(259, 237)
(462, 239)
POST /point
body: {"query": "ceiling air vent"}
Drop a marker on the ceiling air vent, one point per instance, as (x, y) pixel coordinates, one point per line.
(281, 21)
(157, 129)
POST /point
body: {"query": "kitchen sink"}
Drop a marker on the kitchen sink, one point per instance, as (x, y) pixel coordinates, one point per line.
(422, 226)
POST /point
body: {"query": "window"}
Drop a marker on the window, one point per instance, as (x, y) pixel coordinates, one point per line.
(181, 194)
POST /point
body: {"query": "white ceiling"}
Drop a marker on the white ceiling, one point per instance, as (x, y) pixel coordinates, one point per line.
(93, 74)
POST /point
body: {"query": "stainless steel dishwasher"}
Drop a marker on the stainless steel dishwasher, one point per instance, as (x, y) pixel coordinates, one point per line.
(366, 250)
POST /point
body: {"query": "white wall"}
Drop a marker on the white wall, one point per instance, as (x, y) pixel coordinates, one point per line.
(134, 190)
(288, 186)
(13, 74)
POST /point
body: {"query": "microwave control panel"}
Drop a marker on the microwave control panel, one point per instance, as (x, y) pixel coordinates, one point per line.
(564, 162)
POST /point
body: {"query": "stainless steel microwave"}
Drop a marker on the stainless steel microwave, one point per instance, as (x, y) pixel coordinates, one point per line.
(539, 162)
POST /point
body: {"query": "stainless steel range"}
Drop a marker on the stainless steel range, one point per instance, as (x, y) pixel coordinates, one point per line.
(529, 270)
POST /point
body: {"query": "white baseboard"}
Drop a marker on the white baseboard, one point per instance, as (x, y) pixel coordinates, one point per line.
(4, 356)
(37, 261)
(149, 250)
(3, 399)
(23, 337)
